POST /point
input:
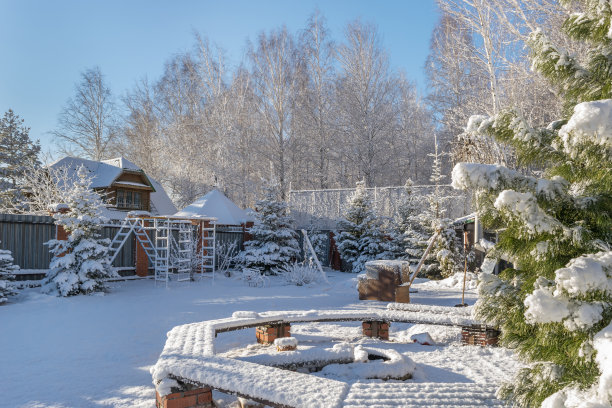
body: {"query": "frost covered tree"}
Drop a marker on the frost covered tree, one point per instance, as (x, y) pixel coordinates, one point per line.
(445, 259)
(81, 263)
(7, 268)
(273, 242)
(406, 236)
(555, 305)
(87, 123)
(17, 152)
(360, 238)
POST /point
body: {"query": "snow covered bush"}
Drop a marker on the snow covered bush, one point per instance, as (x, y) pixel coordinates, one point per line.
(273, 242)
(6, 274)
(300, 273)
(319, 241)
(555, 305)
(253, 277)
(81, 263)
(361, 238)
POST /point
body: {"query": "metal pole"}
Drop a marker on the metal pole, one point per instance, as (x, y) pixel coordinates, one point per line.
(465, 248)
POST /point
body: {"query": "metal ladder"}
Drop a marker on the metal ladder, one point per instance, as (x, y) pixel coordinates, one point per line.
(207, 249)
(137, 226)
(162, 250)
(184, 251)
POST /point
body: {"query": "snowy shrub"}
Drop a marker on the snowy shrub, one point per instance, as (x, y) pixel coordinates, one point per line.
(81, 263)
(319, 241)
(301, 273)
(253, 277)
(273, 242)
(227, 254)
(6, 269)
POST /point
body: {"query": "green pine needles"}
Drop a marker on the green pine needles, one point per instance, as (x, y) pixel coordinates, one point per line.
(555, 305)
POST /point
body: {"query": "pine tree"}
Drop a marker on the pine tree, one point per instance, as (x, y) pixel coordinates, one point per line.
(81, 263)
(274, 243)
(555, 305)
(361, 237)
(17, 151)
(6, 274)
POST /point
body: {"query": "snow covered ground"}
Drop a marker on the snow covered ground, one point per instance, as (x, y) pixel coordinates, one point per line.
(95, 351)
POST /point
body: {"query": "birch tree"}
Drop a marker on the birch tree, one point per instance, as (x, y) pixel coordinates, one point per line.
(87, 125)
(274, 62)
(366, 102)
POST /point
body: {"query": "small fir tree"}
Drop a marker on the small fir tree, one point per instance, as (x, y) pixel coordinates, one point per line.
(555, 305)
(361, 238)
(7, 268)
(81, 263)
(274, 243)
(17, 152)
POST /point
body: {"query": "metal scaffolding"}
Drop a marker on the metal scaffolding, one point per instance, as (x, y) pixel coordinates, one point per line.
(170, 245)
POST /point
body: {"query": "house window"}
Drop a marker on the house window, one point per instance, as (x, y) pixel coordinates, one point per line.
(129, 199)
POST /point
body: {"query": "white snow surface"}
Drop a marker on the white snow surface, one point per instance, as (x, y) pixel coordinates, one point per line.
(96, 351)
(591, 122)
(216, 204)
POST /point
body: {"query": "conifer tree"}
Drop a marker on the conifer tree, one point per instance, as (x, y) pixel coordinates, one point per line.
(81, 263)
(17, 152)
(555, 305)
(274, 242)
(6, 274)
(360, 238)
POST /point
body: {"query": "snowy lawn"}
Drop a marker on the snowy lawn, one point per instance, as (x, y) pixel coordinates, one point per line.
(97, 350)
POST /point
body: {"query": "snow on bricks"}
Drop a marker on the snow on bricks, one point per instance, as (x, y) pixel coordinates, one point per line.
(286, 343)
(268, 333)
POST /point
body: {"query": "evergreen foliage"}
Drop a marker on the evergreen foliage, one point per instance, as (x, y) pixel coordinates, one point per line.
(274, 243)
(555, 305)
(361, 238)
(6, 274)
(407, 235)
(81, 263)
(17, 151)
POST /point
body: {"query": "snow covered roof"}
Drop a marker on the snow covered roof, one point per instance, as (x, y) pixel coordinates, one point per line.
(216, 204)
(104, 173)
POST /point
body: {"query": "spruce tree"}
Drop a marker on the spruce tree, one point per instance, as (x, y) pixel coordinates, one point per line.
(555, 304)
(273, 242)
(17, 151)
(407, 238)
(361, 237)
(81, 263)
(6, 274)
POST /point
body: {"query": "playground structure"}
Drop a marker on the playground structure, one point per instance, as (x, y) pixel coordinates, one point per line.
(176, 247)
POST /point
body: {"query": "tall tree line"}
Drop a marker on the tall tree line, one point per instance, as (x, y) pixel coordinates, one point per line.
(301, 108)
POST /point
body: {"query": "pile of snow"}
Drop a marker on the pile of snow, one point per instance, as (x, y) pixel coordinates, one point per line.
(242, 314)
(591, 123)
(286, 342)
(438, 335)
(423, 339)
(454, 282)
(397, 366)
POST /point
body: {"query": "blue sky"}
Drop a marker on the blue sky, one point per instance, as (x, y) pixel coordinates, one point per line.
(45, 45)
